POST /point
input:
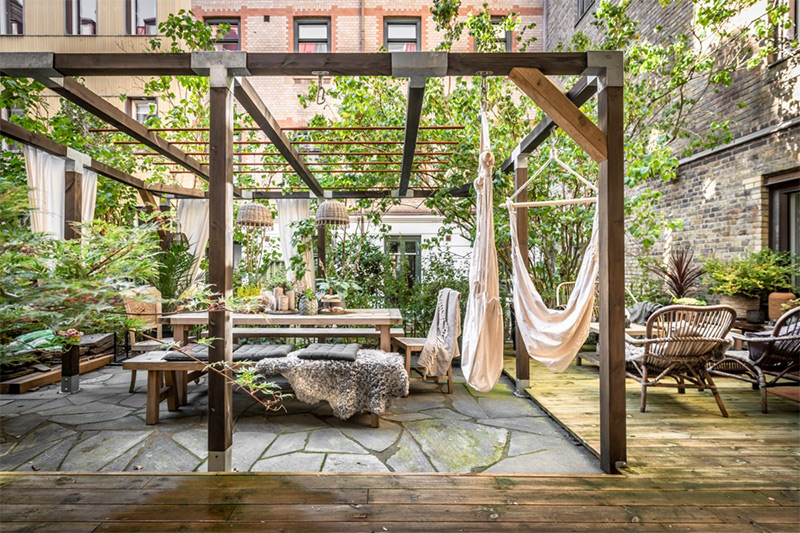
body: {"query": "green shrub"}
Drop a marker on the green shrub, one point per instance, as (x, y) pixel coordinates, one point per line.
(752, 275)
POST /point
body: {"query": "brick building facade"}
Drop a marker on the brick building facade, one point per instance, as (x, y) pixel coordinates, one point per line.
(743, 195)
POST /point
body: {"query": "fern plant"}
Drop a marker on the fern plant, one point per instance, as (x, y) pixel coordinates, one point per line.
(174, 270)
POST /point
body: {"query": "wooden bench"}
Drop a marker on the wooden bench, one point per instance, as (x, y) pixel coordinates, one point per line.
(412, 345)
(321, 333)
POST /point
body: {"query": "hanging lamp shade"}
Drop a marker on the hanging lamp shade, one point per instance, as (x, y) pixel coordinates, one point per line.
(332, 213)
(254, 215)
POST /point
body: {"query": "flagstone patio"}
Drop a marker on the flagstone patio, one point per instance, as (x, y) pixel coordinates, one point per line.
(102, 428)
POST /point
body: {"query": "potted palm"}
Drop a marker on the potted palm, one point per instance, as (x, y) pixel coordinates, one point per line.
(741, 282)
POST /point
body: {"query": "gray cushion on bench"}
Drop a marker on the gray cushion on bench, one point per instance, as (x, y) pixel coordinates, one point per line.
(251, 352)
(330, 352)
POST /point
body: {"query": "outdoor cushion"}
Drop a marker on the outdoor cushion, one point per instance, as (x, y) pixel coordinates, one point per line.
(250, 352)
(330, 352)
(757, 349)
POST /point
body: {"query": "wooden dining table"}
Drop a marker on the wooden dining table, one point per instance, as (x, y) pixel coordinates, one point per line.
(381, 319)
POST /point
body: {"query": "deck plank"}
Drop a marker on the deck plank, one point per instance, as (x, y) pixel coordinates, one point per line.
(688, 470)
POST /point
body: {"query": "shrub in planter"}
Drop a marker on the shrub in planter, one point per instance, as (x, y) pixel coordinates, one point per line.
(741, 282)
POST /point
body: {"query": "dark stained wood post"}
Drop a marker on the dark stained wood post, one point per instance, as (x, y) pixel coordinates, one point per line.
(220, 266)
(523, 361)
(611, 196)
(73, 185)
(71, 368)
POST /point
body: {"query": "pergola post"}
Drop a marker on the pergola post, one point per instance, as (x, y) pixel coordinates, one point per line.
(523, 370)
(611, 197)
(220, 266)
(322, 238)
(73, 185)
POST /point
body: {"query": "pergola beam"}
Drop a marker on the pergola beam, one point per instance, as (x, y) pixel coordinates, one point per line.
(579, 94)
(76, 93)
(457, 192)
(296, 64)
(564, 112)
(247, 96)
(416, 92)
(19, 134)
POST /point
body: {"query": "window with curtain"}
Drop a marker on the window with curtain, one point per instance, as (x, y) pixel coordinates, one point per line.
(401, 35)
(406, 256)
(80, 17)
(11, 15)
(312, 36)
(502, 37)
(141, 17)
(229, 41)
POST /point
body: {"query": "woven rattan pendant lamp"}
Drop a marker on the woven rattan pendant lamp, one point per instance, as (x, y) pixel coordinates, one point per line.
(332, 213)
(254, 215)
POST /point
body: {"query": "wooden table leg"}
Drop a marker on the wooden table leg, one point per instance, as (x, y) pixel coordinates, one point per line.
(374, 420)
(180, 334)
(386, 338)
(153, 396)
(172, 390)
(182, 386)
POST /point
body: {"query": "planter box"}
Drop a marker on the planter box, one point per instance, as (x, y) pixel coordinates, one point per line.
(742, 304)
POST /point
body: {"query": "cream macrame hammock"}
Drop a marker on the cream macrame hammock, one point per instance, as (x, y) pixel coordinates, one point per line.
(482, 342)
(552, 336)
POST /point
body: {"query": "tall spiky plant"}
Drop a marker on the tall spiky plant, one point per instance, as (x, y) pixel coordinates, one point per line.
(679, 273)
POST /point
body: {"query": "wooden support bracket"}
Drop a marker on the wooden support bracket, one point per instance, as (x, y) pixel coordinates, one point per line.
(557, 106)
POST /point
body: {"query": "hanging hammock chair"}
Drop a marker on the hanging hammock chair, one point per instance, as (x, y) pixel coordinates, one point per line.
(482, 341)
(552, 336)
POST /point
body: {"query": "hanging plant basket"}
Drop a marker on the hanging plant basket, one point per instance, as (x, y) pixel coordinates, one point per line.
(254, 215)
(332, 213)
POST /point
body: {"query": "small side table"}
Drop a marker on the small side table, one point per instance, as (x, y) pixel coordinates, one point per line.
(412, 345)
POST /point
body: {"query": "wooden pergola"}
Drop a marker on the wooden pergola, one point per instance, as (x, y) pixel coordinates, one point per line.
(601, 73)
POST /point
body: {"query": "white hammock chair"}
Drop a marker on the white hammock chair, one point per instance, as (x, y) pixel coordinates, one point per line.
(552, 336)
(482, 342)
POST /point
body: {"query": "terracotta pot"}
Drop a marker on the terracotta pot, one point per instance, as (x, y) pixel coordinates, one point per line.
(776, 301)
(742, 304)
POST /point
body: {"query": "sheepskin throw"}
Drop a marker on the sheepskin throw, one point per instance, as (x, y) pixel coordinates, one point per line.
(367, 384)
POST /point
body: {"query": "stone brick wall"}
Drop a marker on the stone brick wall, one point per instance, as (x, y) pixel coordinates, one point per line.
(720, 197)
(356, 26)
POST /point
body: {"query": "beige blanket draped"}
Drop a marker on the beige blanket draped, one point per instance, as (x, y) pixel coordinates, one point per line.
(482, 343)
(441, 346)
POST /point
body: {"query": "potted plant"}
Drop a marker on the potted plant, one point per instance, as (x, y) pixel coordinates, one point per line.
(307, 305)
(741, 282)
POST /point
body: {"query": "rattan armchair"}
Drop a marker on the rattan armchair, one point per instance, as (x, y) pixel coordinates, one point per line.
(680, 341)
(776, 356)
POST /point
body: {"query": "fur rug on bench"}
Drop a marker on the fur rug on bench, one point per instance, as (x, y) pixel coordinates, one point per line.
(369, 383)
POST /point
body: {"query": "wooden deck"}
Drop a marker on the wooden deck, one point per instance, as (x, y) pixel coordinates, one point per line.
(689, 470)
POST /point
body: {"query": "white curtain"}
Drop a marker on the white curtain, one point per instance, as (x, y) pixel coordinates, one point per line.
(553, 337)
(88, 198)
(482, 344)
(192, 215)
(292, 210)
(45, 191)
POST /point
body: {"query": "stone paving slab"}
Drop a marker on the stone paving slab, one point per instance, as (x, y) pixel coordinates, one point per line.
(102, 428)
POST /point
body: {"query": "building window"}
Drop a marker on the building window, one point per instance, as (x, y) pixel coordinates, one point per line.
(583, 7)
(12, 13)
(141, 17)
(784, 212)
(142, 109)
(5, 144)
(229, 41)
(405, 254)
(401, 35)
(502, 37)
(81, 17)
(312, 36)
